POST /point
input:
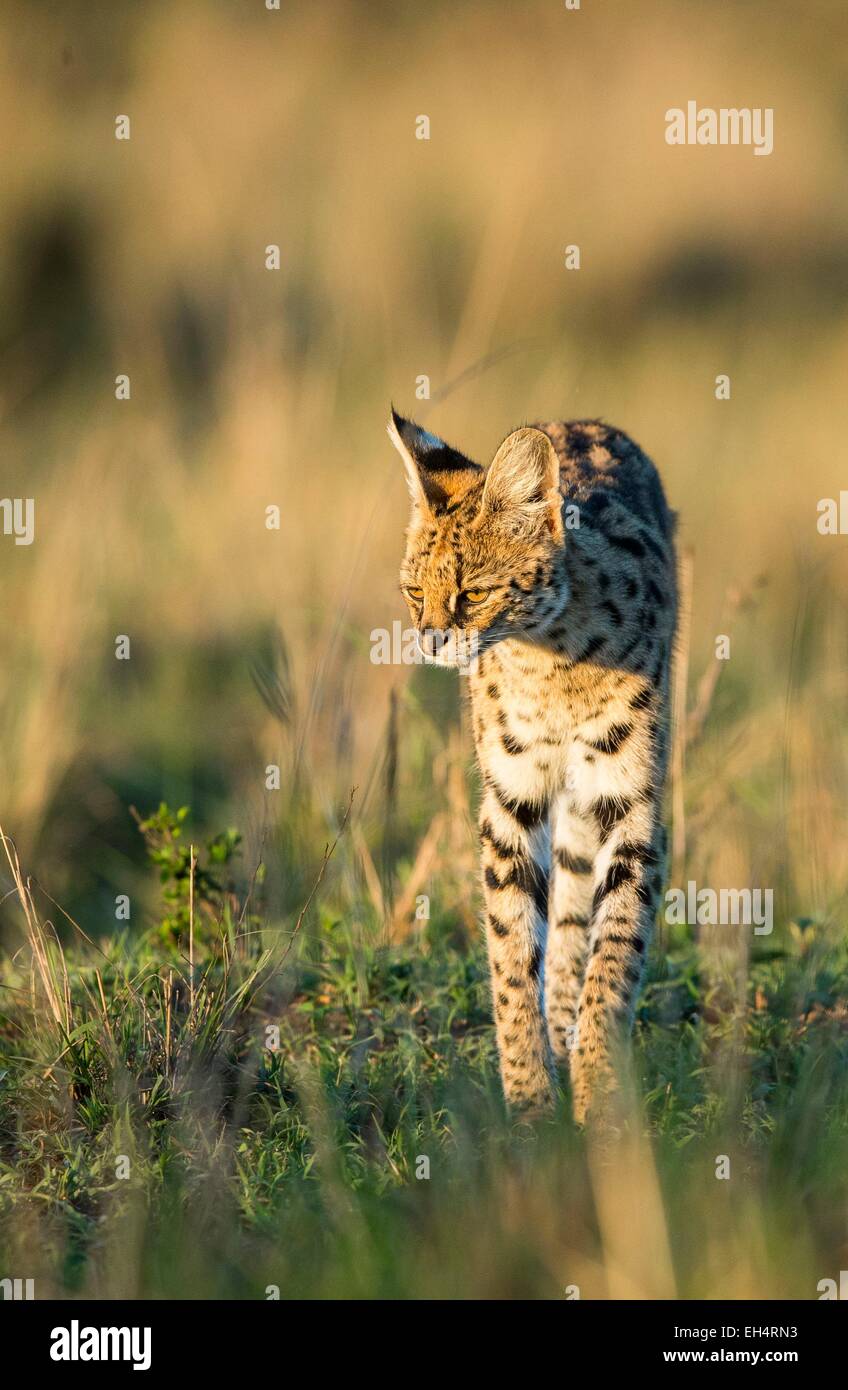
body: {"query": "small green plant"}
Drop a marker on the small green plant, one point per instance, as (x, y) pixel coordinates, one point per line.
(190, 875)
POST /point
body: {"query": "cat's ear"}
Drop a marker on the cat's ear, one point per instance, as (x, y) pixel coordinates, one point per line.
(523, 479)
(436, 474)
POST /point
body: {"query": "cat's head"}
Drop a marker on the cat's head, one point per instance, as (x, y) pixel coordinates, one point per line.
(484, 545)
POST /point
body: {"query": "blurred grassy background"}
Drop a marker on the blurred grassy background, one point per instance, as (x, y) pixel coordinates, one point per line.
(403, 257)
(399, 257)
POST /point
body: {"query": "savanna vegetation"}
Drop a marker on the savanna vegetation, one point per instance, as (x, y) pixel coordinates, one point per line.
(245, 1036)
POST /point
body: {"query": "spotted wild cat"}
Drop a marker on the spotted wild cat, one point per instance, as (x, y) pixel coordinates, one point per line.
(558, 559)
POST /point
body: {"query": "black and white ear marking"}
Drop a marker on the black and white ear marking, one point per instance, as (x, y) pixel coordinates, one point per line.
(436, 474)
(412, 444)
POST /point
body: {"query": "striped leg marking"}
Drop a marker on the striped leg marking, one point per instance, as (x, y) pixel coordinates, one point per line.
(514, 855)
(628, 884)
(574, 845)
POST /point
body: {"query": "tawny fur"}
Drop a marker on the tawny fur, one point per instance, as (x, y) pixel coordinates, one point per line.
(566, 543)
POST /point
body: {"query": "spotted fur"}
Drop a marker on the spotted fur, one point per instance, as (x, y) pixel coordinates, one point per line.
(568, 538)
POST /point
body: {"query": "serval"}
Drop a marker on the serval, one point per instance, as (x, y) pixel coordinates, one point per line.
(558, 560)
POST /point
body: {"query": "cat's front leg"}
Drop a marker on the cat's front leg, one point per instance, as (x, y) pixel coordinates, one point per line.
(515, 848)
(628, 878)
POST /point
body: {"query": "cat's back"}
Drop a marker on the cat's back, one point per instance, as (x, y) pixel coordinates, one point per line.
(606, 474)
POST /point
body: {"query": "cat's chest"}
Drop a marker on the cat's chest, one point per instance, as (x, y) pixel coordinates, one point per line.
(535, 689)
(524, 712)
(533, 714)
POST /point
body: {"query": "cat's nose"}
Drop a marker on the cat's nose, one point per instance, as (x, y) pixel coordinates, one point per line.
(435, 620)
(432, 632)
(430, 639)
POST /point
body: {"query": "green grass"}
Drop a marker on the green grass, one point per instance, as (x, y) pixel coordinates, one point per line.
(252, 1161)
(297, 1168)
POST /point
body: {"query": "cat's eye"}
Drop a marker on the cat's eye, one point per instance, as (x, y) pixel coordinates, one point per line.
(415, 594)
(475, 595)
